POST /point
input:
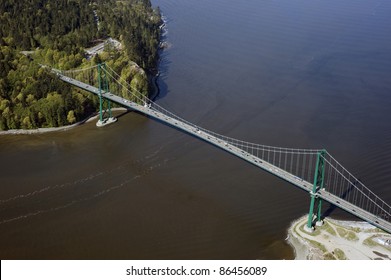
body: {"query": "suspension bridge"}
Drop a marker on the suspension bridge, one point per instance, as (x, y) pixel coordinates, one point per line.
(312, 170)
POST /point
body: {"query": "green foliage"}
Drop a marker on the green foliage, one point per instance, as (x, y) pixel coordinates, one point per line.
(339, 254)
(34, 32)
(136, 24)
(71, 116)
(64, 25)
(328, 228)
(369, 242)
(347, 234)
(329, 256)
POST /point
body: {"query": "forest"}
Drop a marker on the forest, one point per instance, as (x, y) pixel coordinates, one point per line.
(57, 33)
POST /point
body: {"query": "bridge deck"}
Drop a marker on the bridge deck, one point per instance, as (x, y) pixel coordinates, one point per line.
(304, 185)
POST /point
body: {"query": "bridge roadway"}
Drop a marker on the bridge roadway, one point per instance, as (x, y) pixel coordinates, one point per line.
(199, 133)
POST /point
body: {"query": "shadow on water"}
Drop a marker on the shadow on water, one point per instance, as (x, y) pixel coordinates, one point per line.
(117, 112)
(332, 207)
(161, 88)
(123, 113)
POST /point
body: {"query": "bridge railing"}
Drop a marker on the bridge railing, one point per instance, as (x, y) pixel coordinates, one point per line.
(341, 183)
(301, 163)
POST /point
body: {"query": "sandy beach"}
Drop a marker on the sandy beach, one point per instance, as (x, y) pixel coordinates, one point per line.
(339, 240)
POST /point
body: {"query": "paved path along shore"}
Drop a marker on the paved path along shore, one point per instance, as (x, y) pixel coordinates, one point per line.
(54, 129)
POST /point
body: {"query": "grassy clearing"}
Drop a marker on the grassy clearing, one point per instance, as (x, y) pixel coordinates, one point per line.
(329, 256)
(351, 236)
(339, 254)
(341, 232)
(356, 230)
(329, 229)
(347, 234)
(369, 242)
(318, 245)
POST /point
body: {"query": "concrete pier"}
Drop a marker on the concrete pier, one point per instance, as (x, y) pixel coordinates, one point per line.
(106, 121)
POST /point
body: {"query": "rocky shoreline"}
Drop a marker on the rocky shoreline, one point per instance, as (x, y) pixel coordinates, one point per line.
(339, 240)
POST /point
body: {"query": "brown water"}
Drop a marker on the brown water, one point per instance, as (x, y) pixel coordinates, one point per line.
(283, 73)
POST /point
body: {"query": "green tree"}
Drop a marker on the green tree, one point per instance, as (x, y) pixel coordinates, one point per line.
(56, 35)
(71, 117)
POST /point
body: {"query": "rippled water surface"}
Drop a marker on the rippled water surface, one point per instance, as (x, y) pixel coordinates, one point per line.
(308, 74)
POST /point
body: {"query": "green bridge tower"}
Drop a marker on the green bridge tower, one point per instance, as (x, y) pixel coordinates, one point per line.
(318, 185)
(103, 82)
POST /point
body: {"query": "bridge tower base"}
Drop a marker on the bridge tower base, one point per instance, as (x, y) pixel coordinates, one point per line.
(309, 229)
(106, 121)
(319, 223)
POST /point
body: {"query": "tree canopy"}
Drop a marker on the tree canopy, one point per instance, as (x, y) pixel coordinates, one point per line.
(57, 33)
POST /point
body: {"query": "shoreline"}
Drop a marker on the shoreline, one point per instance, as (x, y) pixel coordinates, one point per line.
(92, 117)
(339, 240)
(155, 91)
